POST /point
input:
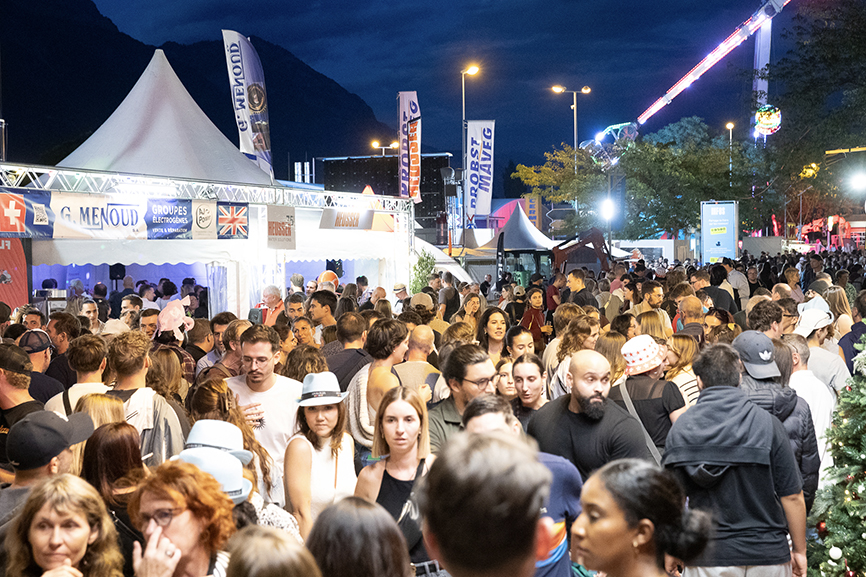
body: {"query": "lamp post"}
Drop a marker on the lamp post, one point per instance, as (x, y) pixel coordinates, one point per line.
(607, 212)
(730, 127)
(376, 144)
(585, 90)
(471, 71)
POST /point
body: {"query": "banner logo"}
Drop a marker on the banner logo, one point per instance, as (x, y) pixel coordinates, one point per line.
(479, 174)
(232, 220)
(13, 212)
(410, 146)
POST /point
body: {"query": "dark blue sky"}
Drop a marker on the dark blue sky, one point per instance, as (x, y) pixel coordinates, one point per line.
(629, 51)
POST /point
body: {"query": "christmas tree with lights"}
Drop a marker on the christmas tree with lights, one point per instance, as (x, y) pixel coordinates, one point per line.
(839, 512)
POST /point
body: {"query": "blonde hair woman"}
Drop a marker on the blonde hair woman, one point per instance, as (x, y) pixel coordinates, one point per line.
(651, 324)
(402, 441)
(610, 346)
(838, 301)
(103, 409)
(70, 506)
(682, 351)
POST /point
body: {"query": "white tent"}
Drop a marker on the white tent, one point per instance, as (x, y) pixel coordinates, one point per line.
(521, 234)
(159, 130)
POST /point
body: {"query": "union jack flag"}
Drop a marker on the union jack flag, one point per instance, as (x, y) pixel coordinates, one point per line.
(232, 220)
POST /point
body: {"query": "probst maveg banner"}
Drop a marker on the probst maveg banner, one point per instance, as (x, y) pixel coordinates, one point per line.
(249, 99)
(479, 173)
(410, 146)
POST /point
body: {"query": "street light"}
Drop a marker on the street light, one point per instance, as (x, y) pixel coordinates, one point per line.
(585, 90)
(376, 144)
(471, 71)
(730, 127)
(858, 181)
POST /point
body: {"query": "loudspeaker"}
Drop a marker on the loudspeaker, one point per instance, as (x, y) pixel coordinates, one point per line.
(116, 271)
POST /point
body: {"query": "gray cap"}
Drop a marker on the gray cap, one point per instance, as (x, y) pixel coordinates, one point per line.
(758, 354)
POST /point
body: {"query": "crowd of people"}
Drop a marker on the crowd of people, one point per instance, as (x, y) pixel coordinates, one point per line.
(468, 428)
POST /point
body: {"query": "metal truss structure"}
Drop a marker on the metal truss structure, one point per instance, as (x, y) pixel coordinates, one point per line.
(95, 182)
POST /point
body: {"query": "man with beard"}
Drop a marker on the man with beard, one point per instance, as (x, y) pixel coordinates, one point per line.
(469, 373)
(585, 427)
(269, 401)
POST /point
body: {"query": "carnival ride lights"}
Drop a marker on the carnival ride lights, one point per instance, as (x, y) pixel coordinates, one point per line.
(768, 119)
(761, 17)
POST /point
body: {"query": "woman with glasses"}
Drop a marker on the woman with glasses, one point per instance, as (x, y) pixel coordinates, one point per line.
(63, 530)
(185, 518)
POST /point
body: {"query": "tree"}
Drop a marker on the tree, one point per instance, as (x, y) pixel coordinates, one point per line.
(420, 270)
(839, 512)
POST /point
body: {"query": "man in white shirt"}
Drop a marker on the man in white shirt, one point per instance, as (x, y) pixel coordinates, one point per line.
(269, 401)
(738, 281)
(828, 367)
(88, 355)
(821, 399)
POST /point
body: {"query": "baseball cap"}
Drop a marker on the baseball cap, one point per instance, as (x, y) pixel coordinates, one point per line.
(519, 291)
(14, 359)
(39, 437)
(399, 287)
(758, 354)
(422, 299)
(812, 320)
(535, 277)
(34, 341)
(819, 286)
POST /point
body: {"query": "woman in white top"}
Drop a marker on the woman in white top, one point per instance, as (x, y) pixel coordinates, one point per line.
(319, 467)
(682, 351)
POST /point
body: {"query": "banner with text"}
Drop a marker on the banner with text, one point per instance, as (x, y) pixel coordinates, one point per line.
(25, 213)
(719, 230)
(410, 146)
(346, 219)
(478, 182)
(282, 233)
(249, 99)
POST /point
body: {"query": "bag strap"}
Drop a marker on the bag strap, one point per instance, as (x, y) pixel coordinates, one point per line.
(649, 442)
(67, 404)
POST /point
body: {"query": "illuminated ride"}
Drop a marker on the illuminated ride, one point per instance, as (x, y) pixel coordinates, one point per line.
(767, 120)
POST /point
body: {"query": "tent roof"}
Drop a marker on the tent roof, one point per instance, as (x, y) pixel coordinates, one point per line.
(521, 234)
(159, 130)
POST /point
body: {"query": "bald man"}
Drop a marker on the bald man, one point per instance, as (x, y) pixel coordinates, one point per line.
(692, 312)
(781, 291)
(606, 431)
(416, 373)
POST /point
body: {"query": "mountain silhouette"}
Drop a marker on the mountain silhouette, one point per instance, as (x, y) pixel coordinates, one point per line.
(64, 68)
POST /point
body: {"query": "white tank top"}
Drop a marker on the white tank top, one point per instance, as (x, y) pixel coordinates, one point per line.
(331, 478)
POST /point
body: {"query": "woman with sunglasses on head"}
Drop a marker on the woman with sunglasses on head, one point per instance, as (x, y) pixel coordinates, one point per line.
(185, 518)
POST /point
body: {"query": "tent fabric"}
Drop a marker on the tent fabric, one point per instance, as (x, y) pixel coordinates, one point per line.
(521, 234)
(159, 130)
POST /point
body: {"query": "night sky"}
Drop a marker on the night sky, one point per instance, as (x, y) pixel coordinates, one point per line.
(628, 51)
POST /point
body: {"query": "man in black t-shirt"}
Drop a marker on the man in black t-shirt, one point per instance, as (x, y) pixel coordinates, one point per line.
(15, 400)
(585, 427)
(449, 299)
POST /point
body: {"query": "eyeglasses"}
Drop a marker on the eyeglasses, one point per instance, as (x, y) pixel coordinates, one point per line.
(481, 383)
(162, 517)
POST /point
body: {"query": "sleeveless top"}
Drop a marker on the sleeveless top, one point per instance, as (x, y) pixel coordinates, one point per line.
(394, 495)
(331, 479)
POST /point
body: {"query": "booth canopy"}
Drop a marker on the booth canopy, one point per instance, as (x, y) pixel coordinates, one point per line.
(159, 130)
(521, 235)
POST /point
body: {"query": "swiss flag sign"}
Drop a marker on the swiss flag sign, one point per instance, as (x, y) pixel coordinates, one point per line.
(12, 213)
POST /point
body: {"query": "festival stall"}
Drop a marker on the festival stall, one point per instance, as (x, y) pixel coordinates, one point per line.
(160, 189)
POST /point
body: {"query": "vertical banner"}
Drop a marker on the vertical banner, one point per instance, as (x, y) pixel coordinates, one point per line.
(719, 230)
(282, 233)
(249, 99)
(479, 174)
(533, 209)
(410, 146)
